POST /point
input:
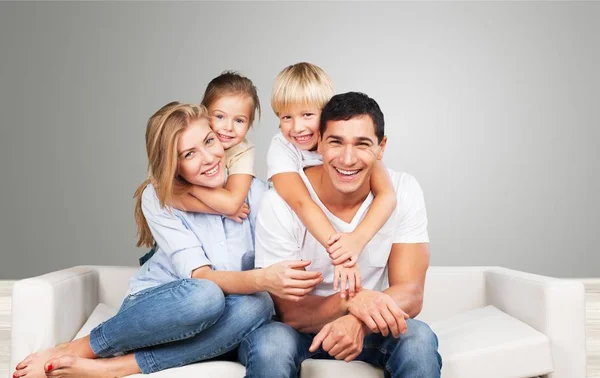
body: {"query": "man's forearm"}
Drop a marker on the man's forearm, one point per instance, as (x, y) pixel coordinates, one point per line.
(408, 296)
(311, 313)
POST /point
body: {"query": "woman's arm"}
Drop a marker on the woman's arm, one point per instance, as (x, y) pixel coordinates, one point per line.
(285, 280)
(291, 188)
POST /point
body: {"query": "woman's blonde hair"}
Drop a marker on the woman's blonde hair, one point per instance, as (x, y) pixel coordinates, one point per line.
(301, 84)
(232, 83)
(162, 135)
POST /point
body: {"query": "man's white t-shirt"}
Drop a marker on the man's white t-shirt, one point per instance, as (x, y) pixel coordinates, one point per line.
(281, 236)
(284, 156)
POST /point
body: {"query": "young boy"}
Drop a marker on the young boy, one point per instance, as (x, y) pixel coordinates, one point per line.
(299, 94)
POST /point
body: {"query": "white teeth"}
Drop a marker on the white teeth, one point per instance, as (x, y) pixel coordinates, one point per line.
(224, 136)
(303, 138)
(212, 171)
(347, 173)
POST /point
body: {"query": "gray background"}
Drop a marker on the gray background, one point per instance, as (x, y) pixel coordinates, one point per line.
(492, 106)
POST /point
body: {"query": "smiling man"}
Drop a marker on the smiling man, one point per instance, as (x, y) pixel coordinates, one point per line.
(376, 325)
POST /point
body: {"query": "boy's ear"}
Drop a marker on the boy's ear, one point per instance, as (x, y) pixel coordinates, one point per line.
(382, 147)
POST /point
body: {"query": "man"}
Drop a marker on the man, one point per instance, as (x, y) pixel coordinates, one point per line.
(376, 325)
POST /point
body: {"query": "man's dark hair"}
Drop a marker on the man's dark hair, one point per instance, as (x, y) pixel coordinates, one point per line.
(345, 106)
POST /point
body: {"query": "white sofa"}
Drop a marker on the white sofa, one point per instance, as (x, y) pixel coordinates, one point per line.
(491, 322)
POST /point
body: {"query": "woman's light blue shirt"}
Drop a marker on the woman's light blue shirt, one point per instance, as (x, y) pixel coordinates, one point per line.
(186, 241)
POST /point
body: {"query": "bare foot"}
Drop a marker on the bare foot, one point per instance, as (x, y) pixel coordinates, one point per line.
(33, 365)
(70, 366)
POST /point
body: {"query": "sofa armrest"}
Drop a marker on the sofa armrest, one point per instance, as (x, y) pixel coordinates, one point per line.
(50, 309)
(552, 306)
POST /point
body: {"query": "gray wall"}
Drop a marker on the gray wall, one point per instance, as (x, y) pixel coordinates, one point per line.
(492, 106)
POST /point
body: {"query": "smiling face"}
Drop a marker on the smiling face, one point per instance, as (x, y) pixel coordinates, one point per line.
(200, 155)
(300, 126)
(350, 152)
(231, 116)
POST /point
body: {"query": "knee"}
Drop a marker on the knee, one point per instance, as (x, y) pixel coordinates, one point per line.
(271, 345)
(260, 307)
(201, 300)
(417, 350)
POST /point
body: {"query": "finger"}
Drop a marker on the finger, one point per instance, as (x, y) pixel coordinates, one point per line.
(297, 292)
(333, 238)
(304, 284)
(381, 324)
(303, 275)
(351, 356)
(236, 219)
(343, 354)
(342, 258)
(319, 338)
(298, 264)
(391, 321)
(336, 280)
(334, 248)
(358, 278)
(292, 298)
(351, 262)
(243, 216)
(370, 323)
(337, 349)
(328, 343)
(343, 283)
(398, 314)
(351, 285)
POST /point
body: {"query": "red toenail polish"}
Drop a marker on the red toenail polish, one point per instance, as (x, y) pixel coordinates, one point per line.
(49, 367)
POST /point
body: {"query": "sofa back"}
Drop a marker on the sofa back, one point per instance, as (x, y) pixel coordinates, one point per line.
(452, 290)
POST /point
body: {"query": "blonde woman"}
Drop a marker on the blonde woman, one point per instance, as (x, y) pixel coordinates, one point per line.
(198, 296)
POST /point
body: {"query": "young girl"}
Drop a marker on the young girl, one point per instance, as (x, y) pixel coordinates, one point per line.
(198, 296)
(232, 102)
(299, 94)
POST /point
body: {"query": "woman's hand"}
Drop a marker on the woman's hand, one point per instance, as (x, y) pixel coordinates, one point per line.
(288, 280)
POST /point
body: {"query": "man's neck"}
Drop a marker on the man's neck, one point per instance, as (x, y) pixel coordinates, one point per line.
(342, 205)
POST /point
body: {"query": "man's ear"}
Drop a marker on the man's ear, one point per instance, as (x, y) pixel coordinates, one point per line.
(382, 147)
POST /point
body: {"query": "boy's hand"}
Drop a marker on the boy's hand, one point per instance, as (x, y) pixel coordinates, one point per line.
(347, 279)
(344, 248)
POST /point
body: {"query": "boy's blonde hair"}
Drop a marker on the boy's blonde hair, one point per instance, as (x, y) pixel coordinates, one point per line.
(301, 84)
(162, 135)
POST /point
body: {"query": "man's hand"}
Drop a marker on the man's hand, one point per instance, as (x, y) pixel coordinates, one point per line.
(288, 279)
(342, 338)
(347, 279)
(344, 248)
(378, 312)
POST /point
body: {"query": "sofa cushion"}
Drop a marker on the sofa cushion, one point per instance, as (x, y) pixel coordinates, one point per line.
(487, 339)
(100, 314)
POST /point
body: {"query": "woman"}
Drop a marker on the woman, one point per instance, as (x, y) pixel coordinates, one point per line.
(198, 296)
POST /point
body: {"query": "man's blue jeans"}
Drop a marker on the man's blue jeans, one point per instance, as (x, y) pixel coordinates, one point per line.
(178, 323)
(277, 350)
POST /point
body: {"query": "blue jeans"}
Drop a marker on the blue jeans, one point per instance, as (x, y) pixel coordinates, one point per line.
(180, 322)
(277, 350)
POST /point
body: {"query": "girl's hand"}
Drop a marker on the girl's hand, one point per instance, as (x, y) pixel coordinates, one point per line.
(347, 279)
(288, 280)
(344, 248)
(241, 214)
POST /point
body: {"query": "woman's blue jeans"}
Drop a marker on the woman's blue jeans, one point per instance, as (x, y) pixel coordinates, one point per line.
(178, 323)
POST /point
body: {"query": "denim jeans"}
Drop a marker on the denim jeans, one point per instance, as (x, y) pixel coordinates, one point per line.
(277, 350)
(180, 322)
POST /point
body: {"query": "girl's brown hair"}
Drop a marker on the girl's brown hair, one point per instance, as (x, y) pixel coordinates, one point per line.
(231, 83)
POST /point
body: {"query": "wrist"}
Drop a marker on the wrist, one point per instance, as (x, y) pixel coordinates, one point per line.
(259, 279)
